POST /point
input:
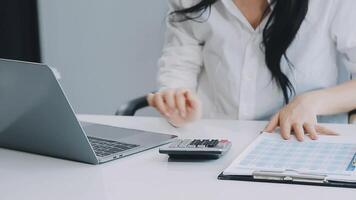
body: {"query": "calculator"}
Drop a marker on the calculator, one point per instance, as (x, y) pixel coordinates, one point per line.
(197, 148)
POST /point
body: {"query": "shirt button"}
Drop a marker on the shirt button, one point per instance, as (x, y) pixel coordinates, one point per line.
(247, 76)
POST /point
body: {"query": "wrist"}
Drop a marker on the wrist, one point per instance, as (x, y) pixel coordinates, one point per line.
(317, 100)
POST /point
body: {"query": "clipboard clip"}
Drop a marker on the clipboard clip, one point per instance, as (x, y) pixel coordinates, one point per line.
(289, 176)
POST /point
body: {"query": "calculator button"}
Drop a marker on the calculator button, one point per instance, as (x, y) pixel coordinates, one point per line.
(210, 144)
(184, 143)
(199, 142)
(176, 144)
(213, 143)
(205, 142)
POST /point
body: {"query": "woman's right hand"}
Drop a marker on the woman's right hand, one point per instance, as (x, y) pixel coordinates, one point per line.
(179, 106)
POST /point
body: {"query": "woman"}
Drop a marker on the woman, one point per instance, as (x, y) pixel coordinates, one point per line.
(281, 60)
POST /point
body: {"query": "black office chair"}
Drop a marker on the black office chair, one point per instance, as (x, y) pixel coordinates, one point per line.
(352, 117)
(131, 107)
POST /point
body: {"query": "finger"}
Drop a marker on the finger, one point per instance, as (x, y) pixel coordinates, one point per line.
(273, 123)
(181, 102)
(310, 129)
(192, 100)
(150, 101)
(285, 130)
(168, 97)
(160, 105)
(325, 131)
(298, 131)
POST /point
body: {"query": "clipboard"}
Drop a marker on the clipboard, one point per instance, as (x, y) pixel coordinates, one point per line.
(267, 178)
(344, 175)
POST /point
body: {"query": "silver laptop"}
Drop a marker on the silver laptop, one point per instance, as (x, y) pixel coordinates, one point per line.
(36, 117)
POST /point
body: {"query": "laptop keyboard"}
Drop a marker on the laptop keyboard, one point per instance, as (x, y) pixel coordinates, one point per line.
(103, 147)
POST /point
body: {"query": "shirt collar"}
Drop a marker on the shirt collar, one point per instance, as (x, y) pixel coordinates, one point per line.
(234, 10)
(227, 2)
(271, 6)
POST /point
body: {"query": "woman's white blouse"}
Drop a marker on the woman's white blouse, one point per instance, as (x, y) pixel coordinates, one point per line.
(223, 61)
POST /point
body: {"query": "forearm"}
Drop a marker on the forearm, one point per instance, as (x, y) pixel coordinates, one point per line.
(334, 100)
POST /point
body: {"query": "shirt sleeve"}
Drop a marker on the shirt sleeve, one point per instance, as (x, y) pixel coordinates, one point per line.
(343, 31)
(181, 60)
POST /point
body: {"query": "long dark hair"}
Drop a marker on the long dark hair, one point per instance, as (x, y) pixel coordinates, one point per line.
(278, 34)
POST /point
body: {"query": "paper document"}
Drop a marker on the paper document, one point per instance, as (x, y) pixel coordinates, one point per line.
(269, 152)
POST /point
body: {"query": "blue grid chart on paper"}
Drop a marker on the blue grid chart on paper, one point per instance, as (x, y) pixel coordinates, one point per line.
(309, 155)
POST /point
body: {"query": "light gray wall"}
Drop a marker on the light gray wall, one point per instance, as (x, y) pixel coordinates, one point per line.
(106, 51)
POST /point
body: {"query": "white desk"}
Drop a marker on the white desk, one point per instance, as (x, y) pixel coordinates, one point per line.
(148, 175)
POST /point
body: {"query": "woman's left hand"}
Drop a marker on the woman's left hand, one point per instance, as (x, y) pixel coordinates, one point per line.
(299, 117)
